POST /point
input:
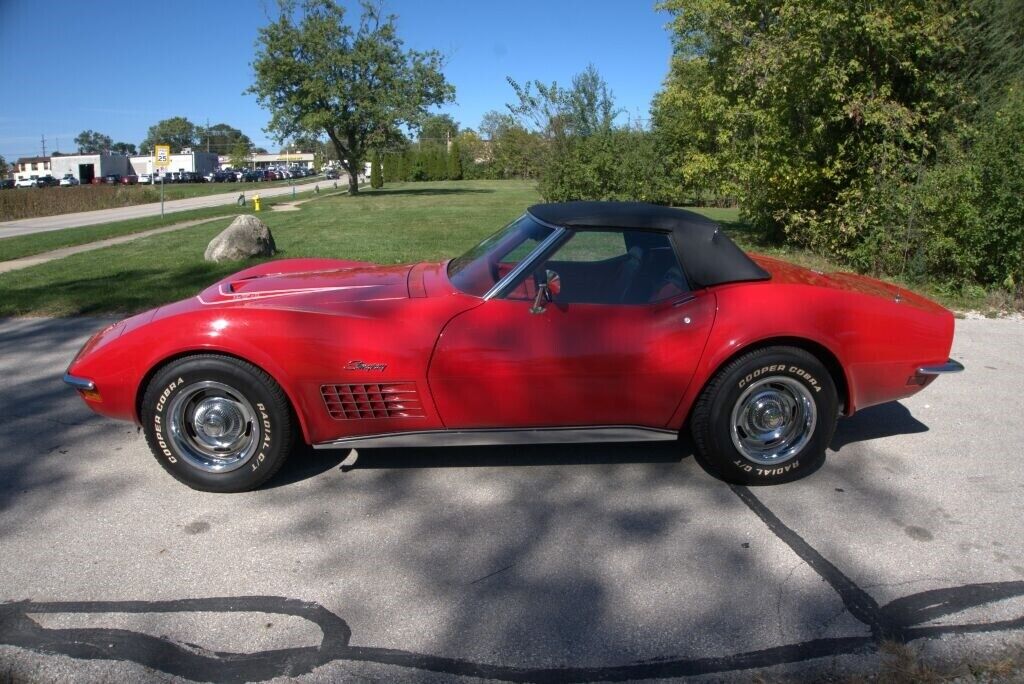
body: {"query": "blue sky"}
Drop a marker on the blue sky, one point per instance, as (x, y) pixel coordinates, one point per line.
(118, 67)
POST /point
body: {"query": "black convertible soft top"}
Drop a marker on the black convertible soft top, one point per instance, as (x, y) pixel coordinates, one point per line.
(708, 256)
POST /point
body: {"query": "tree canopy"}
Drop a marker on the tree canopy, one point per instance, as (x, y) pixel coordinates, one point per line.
(178, 132)
(357, 84)
(93, 142)
(438, 128)
(220, 138)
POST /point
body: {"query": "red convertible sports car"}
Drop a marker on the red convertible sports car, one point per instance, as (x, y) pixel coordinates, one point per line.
(578, 322)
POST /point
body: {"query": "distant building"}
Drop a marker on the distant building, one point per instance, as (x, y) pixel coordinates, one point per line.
(31, 167)
(85, 167)
(186, 160)
(266, 161)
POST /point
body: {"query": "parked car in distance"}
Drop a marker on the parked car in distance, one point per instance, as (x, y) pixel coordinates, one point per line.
(578, 322)
(145, 179)
(68, 180)
(112, 178)
(25, 183)
(6, 183)
(219, 176)
(331, 174)
(129, 180)
(47, 182)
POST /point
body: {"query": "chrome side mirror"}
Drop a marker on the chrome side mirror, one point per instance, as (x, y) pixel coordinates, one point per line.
(546, 291)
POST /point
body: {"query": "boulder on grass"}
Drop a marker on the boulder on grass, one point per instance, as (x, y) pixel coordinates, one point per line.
(245, 238)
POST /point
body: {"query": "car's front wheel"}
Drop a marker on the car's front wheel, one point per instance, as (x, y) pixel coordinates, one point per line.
(217, 423)
(766, 417)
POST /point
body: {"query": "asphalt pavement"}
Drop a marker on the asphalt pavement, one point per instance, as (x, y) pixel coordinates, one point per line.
(567, 563)
(45, 224)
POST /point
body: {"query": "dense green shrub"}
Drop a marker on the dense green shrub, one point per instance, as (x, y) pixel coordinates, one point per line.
(376, 173)
(888, 134)
(619, 164)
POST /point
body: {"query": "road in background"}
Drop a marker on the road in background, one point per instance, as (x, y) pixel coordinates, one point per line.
(564, 563)
(43, 224)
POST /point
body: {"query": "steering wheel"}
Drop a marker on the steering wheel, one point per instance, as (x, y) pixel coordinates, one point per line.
(495, 270)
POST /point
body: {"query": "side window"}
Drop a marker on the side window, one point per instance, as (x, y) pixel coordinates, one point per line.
(593, 245)
(629, 267)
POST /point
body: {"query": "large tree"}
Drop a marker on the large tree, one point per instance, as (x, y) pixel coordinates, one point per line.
(93, 142)
(438, 128)
(221, 138)
(178, 132)
(356, 84)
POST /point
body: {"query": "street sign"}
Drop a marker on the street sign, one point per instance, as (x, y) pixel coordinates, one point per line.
(163, 155)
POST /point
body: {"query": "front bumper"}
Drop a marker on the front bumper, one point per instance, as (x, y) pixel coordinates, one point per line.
(950, 366)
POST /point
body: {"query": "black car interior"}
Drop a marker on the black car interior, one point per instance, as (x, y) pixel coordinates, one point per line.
(648, 271)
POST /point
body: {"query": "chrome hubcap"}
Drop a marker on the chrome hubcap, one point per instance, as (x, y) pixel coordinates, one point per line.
(213, 426)
(773, 420)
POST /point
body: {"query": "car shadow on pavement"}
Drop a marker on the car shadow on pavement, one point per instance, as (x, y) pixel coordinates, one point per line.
(884, 420)
(304, 463)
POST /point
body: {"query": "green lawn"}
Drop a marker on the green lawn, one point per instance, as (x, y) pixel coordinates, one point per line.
(37, 243)
(399, 224)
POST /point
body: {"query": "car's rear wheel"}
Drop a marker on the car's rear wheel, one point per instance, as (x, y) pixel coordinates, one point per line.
(766, 417)
(217, 423)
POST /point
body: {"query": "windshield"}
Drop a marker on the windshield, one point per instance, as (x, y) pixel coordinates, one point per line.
(477, 271)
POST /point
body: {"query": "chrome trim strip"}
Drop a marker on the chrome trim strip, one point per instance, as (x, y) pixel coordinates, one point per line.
(79, 383)
(950, 366)
(492, 437)
(526, 262)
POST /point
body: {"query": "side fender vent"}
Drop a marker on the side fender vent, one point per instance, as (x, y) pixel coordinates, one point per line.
(385, 400)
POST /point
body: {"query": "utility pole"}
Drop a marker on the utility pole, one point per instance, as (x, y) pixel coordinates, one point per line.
(207, 134)
(44, 144)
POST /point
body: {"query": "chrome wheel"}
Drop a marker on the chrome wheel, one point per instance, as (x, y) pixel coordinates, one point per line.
(213, 426)
(773, 420)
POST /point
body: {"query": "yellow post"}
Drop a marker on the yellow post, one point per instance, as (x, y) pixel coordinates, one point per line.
(256, 202)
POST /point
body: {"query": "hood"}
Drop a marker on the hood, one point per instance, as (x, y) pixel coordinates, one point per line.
(304, 287)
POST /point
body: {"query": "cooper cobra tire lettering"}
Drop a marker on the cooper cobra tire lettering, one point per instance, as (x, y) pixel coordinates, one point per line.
(711, 417)
(778, 368)
(272, 422)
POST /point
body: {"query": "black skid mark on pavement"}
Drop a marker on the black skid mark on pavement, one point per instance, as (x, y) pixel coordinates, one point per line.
(901, 620)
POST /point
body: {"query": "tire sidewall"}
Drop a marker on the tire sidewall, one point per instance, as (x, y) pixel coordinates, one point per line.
(271, 420)
(793, 364)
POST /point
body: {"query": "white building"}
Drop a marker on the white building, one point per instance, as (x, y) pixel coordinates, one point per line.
(31, 167)
(85, 167)
(186, 160)
(266, 161)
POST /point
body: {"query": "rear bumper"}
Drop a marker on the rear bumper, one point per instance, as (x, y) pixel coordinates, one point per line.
(950, 366)
(79, 383)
